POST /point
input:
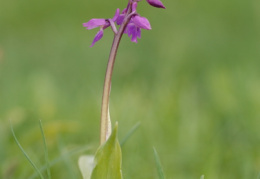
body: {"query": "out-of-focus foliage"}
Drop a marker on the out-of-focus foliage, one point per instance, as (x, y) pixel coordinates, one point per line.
(193, 82)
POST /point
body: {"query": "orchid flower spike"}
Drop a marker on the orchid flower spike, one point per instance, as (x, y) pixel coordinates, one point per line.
(134, 25)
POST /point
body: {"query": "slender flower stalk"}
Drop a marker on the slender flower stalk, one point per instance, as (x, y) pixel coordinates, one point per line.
(105, 123)
(131, 24)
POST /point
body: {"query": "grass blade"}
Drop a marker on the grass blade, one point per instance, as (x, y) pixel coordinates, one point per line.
(258, 177)
(158, 165)
(25, 154)
(130, 133)
(202, 177)
(45, 151)
(67, 161)
(60, 158)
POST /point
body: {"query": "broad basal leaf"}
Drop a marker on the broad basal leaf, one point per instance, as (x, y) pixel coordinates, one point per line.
(108, 159)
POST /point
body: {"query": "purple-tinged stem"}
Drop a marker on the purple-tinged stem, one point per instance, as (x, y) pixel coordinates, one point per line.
(105, 124)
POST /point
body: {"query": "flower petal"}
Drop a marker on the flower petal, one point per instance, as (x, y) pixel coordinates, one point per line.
(134, 6)
(142, 22)
(124, 10)
(98, 36)
(156, 3)
(138, 32)
(130, 29)
(116, 14)
(93, 23)
(120, 19)
(133, 31)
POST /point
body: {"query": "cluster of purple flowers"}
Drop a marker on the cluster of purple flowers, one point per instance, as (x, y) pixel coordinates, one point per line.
(134, 25)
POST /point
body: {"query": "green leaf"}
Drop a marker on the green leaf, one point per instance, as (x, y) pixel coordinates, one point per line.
(108, 159)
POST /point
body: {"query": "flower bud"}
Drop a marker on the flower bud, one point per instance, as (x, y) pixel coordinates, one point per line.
(156, 3)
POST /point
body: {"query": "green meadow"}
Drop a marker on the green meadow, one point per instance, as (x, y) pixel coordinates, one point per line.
(192, 82)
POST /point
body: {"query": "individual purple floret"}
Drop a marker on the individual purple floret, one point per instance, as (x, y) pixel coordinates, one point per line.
(135, 25)
(132, 28)
(102, 23)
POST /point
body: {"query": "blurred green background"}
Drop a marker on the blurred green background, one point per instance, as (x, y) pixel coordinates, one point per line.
(193, 82)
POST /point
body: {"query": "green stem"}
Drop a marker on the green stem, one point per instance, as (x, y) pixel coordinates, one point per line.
(105, 124)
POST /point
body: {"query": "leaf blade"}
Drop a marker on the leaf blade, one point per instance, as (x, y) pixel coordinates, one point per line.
(108, 159)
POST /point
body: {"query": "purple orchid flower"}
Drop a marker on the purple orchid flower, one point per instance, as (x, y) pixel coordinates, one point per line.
(133, 27)
(102, 23)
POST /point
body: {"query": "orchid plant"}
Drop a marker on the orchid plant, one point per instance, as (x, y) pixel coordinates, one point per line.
(107, 162)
